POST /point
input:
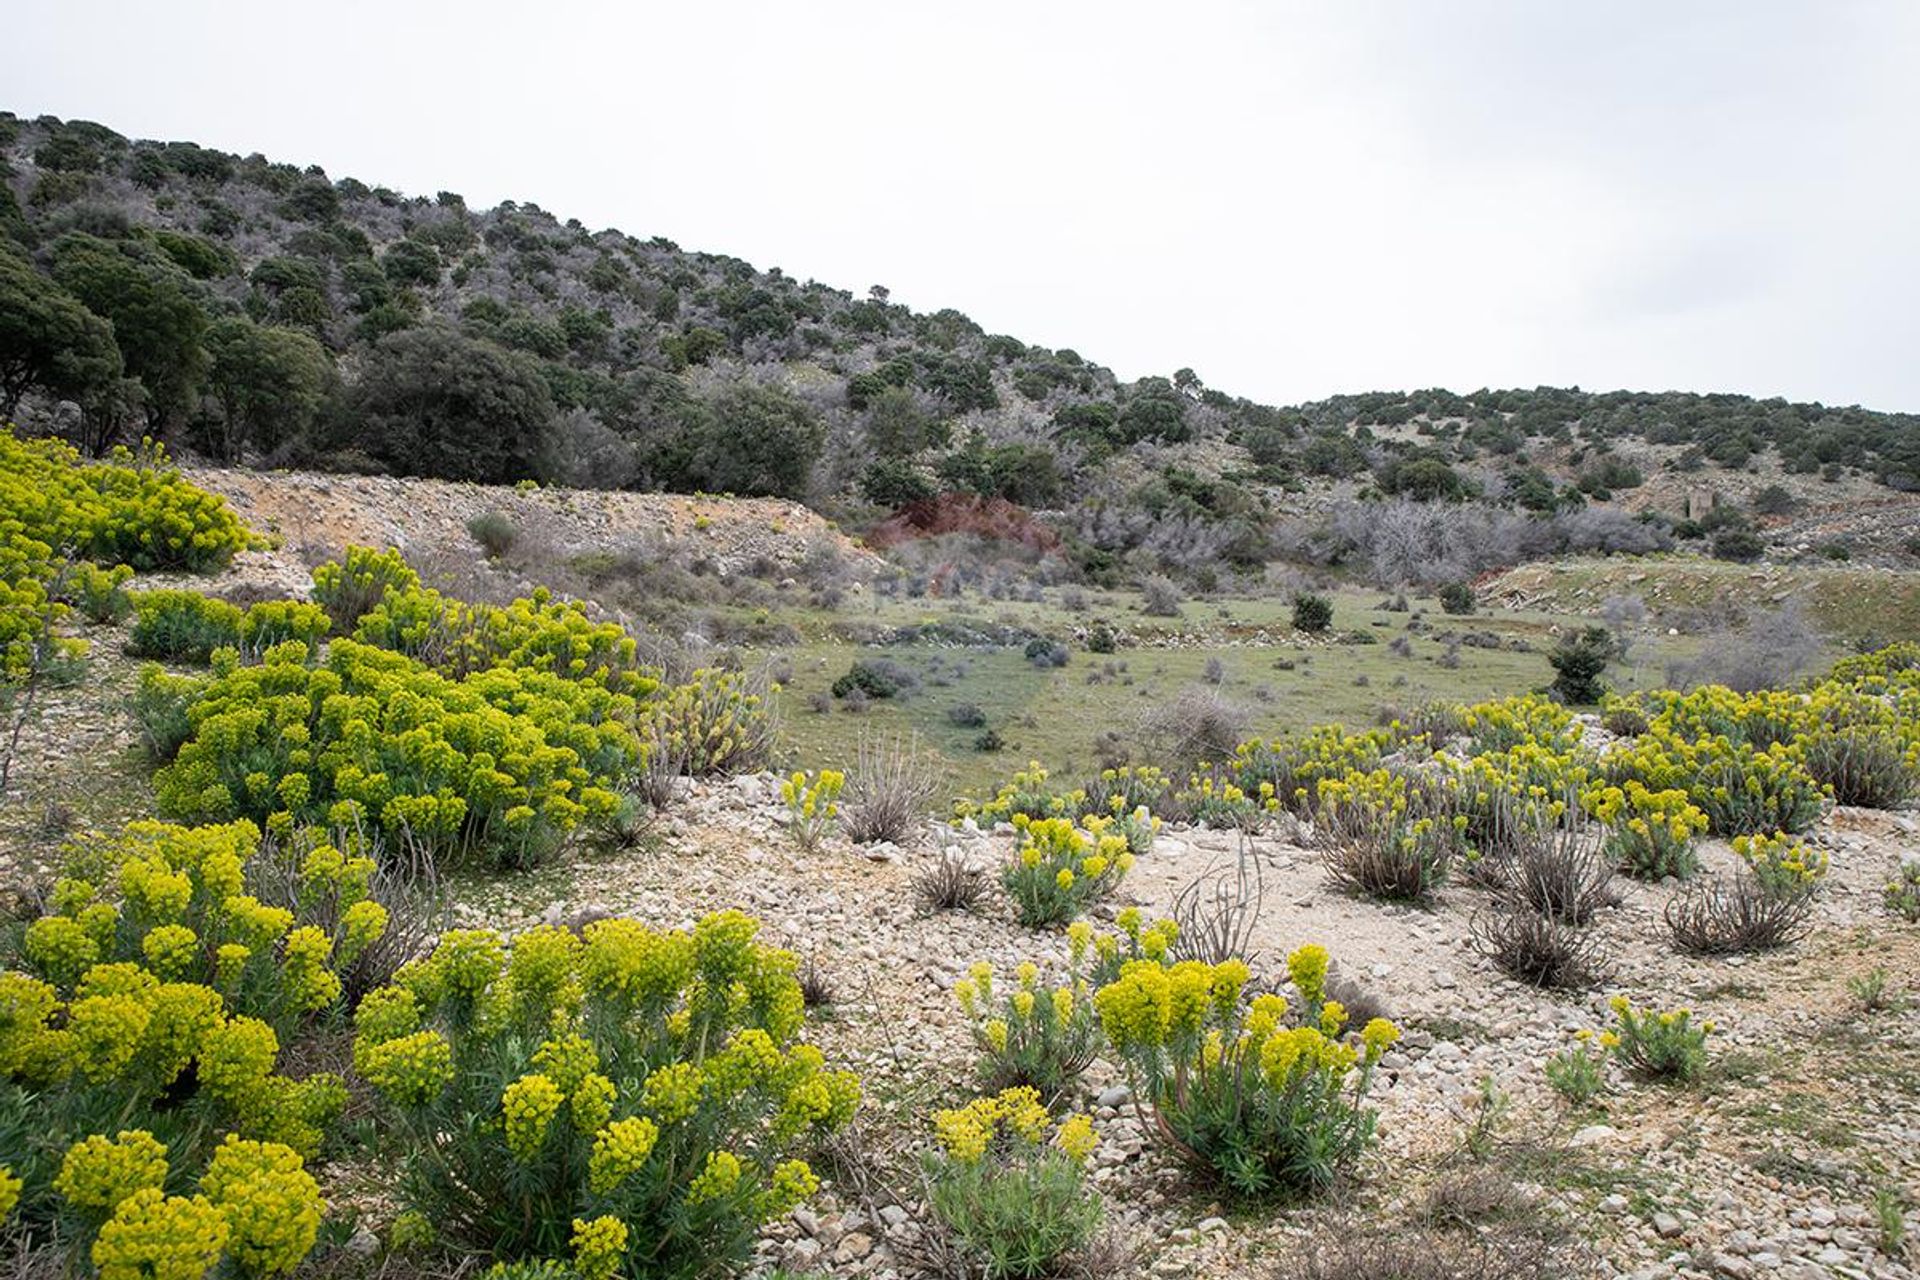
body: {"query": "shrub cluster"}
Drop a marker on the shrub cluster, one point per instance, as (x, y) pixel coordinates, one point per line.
(625, 1098)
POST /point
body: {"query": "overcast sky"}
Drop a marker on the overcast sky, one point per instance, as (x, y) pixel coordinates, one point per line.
(1293, 199)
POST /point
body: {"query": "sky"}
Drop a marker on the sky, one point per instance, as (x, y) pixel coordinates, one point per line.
(1292, 199)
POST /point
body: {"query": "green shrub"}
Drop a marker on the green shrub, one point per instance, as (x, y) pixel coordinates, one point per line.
(503, 764)
(273, 622)
(159, 704)
(1015, 1201)
(1458, 598)
(1902, 893)
(133, 509)
(1031, 1037)
(495, 532)
(174, 900)
(100, 595)
(1057, 870)
(715, 724)
(875, 677)
(1265, 1096)
(182, 626)
(1667, 1046)
(1578, 1074)
(1312, 613)
(629, 1097)
(350, 586)
(1578, 662)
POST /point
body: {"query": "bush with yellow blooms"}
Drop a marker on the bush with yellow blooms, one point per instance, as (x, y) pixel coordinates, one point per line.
(1266, 1095)
(557, 1082)
(1010, 1184)
(1058, 867)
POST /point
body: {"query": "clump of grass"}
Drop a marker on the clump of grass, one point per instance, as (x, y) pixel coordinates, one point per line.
(949, 883)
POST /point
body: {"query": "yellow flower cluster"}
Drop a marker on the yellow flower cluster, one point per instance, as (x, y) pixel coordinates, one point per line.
(271, 1204)
(599, 1246)
(813, 805)
(1015, 1115)
(715, 722)
(1057, 868)
(1650, 833)
(1783, 865)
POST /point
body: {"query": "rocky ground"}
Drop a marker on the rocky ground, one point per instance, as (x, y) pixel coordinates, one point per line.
(1770, 1167)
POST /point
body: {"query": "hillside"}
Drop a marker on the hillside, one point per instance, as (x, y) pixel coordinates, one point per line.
(256, 311)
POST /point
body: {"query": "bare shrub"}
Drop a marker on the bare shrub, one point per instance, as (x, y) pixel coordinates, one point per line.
(1539, 950)
(1217, 910)
(949, 883)
(1563, 873)
(1195, 726)
(1735, 915)
(1357, 1250)
(817, 987)
(1159, 597)
(889, 790)
(1765, 652)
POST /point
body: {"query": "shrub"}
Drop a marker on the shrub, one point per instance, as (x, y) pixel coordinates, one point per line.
(1743, 546)
(504, 763)
(587, 1093)
(1740, 787)
(1194, 727)
(1650, 833)
(1737, 915)
(1668, 1046)
(1902, 893)
(133, 509)
(891, 790)
(1101, 639)
(1312, 613)
(949, 883)
(1578, 662)
(273, 622)
(1870, 767)
(495, 532)
(1387, 835)
(1458, 598)
(1578, 1074)
(183, 626)
(1785, 867)
(159, 705)
(100, 595)
(813, 806)
(1032, 1036)
(1159, 599)
(718, 722)
(989, 742)
(966, 715)
(169, 1069)
(1015, 1201)
(1042, 652)
(1539, 949)
(1265, 1097)
(1622, 718)
(1566, 874)
(351, 586)
(876, 678)
(1057, 869)
(173, 899)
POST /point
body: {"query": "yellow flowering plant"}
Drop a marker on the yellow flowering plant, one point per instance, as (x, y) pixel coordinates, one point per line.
(653, 1079)
(813, 805)
(126, 1081)
(1267, 1095)
(1388, 834)
(1028, 1033)
(1658, 1045)
(282, 928)
(1057, 868)
(1650, 834)
(1783, 866)
(1010, 1185)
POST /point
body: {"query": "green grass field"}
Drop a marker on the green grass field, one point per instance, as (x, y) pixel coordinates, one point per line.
(1283, 681)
